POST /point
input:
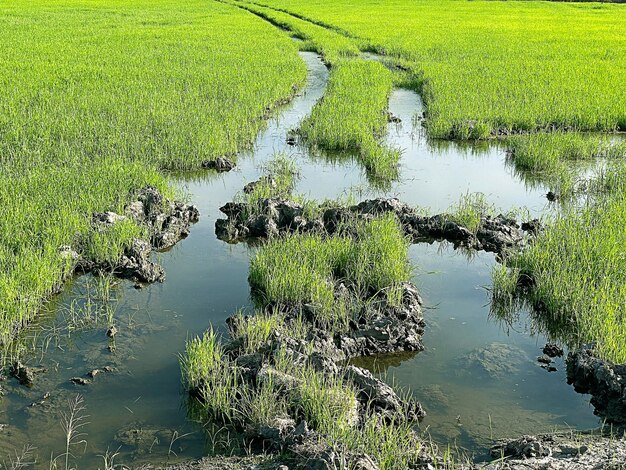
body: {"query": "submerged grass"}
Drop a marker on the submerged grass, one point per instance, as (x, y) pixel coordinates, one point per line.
(87, 121)
(353, 115)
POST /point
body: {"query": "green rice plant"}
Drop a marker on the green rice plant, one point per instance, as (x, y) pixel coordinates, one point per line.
(470, 210)
(254, 331)
(211, 376)
(555, 158)
(86, 122)
(379, 260)
(483, 66)
(261, 406)
(352, 115)
(108, 242)
(303, 269)
(577, 272)
(299, 269)
(391, 443)
(332, 45)
(544, 153)
(325, 401)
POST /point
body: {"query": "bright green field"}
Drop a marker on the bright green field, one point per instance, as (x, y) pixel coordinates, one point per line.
(491, 65)
(97, 99)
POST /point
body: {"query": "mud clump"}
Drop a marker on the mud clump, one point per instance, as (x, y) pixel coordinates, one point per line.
(276, 216)
(386, 328)
(605, 382)
(167, 222)
(220, 164)
(575, 451)
(24, 374)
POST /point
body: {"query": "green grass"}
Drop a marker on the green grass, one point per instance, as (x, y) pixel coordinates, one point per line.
(579, 270)
(332, 46)
(470, 210)
(352, 116)
(325, 401)
(554, 158)
(89, 118)
(300, 269)
(485, 65)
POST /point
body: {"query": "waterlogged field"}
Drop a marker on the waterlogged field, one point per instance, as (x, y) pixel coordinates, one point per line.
(142, 89)
(88, 118)
(500, 68)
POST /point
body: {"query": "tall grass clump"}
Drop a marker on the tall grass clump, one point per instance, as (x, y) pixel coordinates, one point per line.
(352, 116)
(299, 269)
(280, 177)
(327, 402)
(208, 374)
(470, 210)
(576, 273)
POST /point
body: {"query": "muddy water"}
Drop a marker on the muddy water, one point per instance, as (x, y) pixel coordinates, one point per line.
(139, 409)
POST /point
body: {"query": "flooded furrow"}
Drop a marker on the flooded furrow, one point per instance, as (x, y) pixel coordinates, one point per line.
(138, 408)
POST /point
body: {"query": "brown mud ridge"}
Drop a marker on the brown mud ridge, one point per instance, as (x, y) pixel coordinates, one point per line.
(605, 382)
(167, 222)
(280, 216)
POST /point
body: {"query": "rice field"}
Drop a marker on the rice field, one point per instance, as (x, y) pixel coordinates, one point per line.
(352, 116)
(142, 89)
(485, 67)
(87, 120)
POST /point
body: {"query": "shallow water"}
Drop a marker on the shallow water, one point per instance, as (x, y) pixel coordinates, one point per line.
(140, 411)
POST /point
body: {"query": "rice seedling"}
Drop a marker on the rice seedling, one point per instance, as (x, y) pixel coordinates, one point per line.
(305, 269)
(563, 159)
(575, 276)
(210, 376)
(543, 153)
(391, 443)
(352, 116)
(470, 210)
(85, 123)
(485, 66)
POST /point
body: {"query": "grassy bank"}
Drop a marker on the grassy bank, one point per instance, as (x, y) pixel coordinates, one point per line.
(89, 118)
(353, 116)
(497, 65)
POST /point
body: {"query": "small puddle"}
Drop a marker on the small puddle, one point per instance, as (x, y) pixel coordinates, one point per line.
(139, 410)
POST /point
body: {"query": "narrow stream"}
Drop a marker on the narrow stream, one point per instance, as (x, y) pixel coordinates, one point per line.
(139, 409)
